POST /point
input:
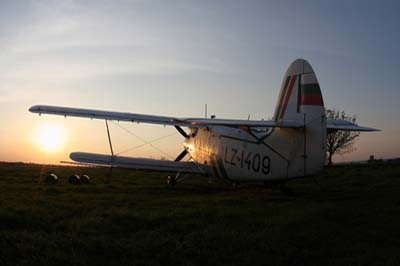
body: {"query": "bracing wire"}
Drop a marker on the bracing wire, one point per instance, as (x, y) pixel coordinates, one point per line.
(145, 142)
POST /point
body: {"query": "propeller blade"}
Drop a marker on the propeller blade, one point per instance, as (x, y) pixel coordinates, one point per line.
(183, 132)
(180, 156)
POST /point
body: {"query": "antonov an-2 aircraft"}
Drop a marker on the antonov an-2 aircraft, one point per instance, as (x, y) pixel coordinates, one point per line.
(291, 145)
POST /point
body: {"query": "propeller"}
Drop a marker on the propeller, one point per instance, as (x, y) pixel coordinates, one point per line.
(183, 132)
(181, 156)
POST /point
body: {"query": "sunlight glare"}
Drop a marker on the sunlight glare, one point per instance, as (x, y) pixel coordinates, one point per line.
(50, 138)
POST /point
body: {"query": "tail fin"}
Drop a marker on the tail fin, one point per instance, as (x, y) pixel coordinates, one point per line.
(300, 100)
(300, 88)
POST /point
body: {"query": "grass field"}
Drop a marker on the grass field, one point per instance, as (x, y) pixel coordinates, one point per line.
(351, 218)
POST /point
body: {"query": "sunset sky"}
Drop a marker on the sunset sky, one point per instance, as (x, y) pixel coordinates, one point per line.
(172, 57)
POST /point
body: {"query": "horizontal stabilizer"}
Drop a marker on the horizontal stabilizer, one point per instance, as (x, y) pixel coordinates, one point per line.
(160, 120)
(333, 125)
(138, 163)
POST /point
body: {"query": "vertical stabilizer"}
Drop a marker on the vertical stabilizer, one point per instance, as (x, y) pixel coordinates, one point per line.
(300, 100)
(299, 88)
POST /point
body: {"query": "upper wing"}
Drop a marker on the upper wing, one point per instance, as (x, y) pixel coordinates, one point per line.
(138, 163)
(332, 125)
(161, 120)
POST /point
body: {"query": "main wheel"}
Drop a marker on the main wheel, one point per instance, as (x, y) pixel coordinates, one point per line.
(171, 181)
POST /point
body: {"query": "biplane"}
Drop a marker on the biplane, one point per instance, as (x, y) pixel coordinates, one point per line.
(291, 145)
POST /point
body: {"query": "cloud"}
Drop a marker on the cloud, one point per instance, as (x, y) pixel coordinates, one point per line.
(67, 40)
(65, 71)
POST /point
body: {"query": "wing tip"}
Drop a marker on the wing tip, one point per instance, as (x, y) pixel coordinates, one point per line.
(370, 129)
(34, 109)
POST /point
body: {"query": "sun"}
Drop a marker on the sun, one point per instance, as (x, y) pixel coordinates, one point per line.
(50, 138)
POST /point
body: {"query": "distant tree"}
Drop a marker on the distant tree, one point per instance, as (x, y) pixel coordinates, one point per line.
(340, 141)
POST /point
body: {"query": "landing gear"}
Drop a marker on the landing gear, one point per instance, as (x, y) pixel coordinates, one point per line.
(173, 180)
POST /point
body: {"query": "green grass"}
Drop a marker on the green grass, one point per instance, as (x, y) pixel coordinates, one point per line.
(351, 218)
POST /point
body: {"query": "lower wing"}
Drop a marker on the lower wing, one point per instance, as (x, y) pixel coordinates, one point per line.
(138, 163)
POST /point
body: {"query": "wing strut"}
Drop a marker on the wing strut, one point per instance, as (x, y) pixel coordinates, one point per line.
(109, 139)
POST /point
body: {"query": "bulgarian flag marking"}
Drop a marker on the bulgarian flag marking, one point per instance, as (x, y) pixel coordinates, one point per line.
(311, 94)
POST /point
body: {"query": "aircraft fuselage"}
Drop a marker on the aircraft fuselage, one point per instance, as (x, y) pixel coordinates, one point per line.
(238, 155)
